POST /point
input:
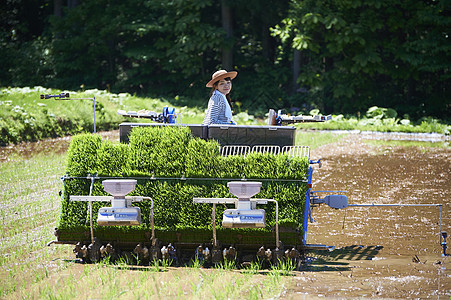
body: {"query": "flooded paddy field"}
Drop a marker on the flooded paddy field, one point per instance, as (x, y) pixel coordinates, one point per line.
(380, 252)
(387, 252)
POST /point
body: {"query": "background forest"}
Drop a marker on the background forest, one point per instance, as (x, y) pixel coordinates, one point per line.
(340, 56)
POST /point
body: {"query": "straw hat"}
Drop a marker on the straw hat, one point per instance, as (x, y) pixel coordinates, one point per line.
(221, 74)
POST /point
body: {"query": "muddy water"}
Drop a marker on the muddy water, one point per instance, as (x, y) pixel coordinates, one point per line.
(385, 175)
(388, 252)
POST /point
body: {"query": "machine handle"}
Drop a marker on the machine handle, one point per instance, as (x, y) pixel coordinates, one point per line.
(61, 95)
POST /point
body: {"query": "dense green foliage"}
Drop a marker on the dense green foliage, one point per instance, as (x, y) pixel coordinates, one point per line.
(345, 55)
(25, 117)
(360, 53)
(381, 120)
(168, 153)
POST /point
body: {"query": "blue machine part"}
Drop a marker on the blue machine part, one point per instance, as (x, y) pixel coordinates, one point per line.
(307, 205)
(443, 243)
(244, 218)
(169, 115)
(119, 216)
(247, 218)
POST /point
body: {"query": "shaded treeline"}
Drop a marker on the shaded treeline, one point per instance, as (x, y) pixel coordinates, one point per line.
(340, 56)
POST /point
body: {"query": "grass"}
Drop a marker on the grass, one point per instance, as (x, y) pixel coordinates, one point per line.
(26, 117)
(106, 281)
(316, 139)
(284, 267)
(254, 267)
(30, 208)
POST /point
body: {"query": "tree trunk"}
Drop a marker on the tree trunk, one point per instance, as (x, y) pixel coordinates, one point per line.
(58, 8)
(72, 3)
(296, 69)
(266, 42)
(227, 24)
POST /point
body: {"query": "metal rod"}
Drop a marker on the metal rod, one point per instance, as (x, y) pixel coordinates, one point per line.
(190, 178)
(213, 217)
(90, 209)
(441, 227)
(151, 217)
(328, 192)
(73, 98)
(94, 101)
(443, 235)
(277, 221)
(376, 205)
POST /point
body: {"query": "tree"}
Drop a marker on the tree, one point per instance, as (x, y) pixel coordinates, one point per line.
(340, 55)
(141, 46)
(363, 53)
(227, 25)
(23, 52)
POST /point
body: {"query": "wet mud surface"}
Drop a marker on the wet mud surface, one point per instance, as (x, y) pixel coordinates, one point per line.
(383, 252)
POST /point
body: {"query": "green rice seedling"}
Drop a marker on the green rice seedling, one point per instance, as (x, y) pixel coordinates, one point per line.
(123, 262)
(196, 263)
(166, 263)
(149, 151)
(112, 290)
(273, 279)
(255, 292)
(196, 286)
(253, 268)
(154, 265)
(226, 265)
(106, 260)
(136, 257)
(86, 270)
(226, 291)
(28, 214)
(284, 267)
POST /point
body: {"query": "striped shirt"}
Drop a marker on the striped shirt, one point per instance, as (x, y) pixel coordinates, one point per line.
(216, 111)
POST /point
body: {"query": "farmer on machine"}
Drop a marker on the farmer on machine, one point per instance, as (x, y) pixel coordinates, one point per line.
(220, 105)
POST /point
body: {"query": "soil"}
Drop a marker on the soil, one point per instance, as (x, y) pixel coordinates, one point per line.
(386, 252)
(44, 147)
(381, 252)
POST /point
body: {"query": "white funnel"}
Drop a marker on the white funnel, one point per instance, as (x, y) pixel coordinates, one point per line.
(119, 187)
(244, 190)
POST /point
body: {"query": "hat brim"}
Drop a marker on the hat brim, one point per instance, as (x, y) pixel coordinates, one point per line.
(231, 74)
